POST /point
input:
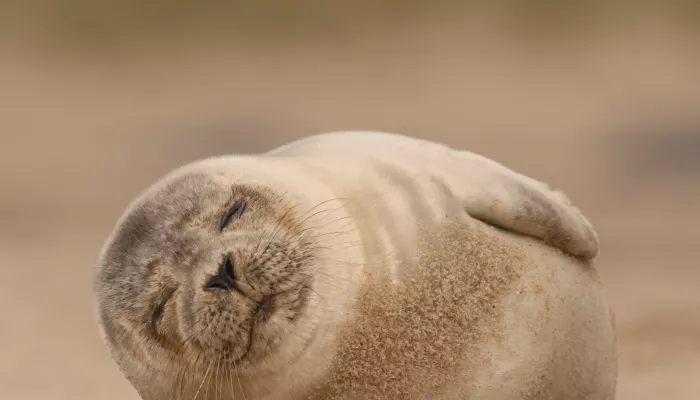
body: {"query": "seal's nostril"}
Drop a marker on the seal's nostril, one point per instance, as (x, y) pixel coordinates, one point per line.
(228, 268)
(225, 279)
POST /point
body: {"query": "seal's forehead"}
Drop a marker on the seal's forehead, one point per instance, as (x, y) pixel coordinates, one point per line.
(163, 211)
(183, 189)
(175, 198)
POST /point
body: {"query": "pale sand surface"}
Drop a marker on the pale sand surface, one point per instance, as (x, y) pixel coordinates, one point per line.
(81, 137)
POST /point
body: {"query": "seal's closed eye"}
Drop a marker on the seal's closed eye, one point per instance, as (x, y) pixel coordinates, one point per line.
(235, 212)
(158, 311)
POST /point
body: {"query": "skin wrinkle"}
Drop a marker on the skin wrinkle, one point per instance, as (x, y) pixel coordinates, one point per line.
(355, 207)
(418, 210)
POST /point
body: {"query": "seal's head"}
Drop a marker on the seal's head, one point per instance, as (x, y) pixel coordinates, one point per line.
(206, 274)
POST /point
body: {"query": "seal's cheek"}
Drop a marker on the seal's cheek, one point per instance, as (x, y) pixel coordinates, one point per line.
(275, 325)
(269, 331)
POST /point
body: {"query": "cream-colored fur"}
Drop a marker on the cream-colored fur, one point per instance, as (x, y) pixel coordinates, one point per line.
(433, 274)
(487, 190)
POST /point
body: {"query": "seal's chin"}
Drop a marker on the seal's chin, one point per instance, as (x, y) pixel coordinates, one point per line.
(238, 330)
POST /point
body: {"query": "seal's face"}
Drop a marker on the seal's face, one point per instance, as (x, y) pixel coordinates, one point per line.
(204, 273)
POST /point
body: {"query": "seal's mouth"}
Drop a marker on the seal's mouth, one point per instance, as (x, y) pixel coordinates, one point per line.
(241, 329)
(264, 308)
(262, 312)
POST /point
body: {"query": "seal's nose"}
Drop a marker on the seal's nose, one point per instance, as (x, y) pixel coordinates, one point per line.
(224, 279)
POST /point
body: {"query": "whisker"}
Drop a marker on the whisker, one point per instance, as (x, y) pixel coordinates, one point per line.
(203, 379)
(217, 387)
(206, 393)
(230, 380)
(238, 378)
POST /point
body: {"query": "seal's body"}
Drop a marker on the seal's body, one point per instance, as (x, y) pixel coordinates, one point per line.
(355, 265)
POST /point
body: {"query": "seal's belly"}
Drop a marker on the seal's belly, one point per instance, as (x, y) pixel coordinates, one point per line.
(482, 314)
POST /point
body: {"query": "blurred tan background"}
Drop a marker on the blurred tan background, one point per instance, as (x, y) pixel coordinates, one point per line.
(98, 98)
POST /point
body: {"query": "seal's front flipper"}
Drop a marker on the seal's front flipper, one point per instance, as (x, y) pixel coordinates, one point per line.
(499, 196)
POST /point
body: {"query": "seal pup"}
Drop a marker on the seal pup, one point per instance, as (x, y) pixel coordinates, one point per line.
(355, 265)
